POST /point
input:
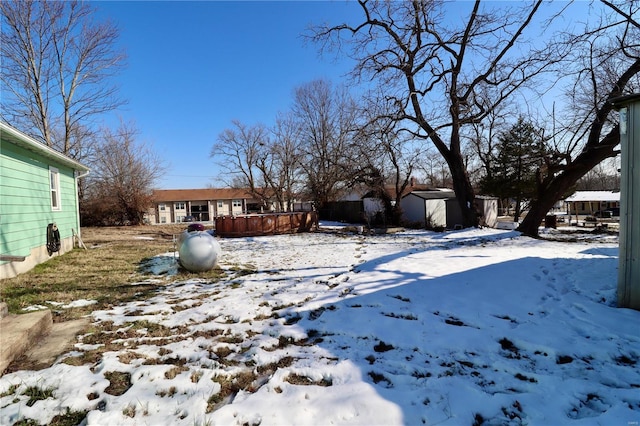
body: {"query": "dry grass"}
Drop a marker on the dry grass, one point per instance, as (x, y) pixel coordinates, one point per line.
(105, 272)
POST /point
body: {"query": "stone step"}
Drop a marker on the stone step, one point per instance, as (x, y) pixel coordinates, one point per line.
(19, 332)
(49, 348)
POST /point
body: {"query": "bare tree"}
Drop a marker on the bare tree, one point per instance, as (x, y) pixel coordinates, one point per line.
(285, 152)
(434, 74)
(56, 65)
(434, 168)
(243, 153)
(603, 177)
(124, 170)
(326, 118)
(384, 161)
(606, 64)
(266, 161)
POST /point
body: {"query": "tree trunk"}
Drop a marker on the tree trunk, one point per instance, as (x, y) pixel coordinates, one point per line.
(554, 188)
(463, 189)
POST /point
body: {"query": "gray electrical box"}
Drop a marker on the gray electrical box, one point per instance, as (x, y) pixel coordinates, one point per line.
(629, 258)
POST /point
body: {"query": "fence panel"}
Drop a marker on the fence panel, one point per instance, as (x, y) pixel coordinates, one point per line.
(265, 224)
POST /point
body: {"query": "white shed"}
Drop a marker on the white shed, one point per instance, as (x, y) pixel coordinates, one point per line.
(488, 209)
(629, 256)
(431, 209)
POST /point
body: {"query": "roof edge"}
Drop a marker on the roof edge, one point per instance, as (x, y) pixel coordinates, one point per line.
(21, 139)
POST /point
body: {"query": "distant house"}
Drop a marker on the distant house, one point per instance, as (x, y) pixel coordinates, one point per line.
(201, 205)
(591, 202)
(38, 187)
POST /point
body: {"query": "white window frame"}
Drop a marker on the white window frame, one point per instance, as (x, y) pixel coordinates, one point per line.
(220, 204)
(162, 207)
(54, 189)
(237, 203)
(180, 205)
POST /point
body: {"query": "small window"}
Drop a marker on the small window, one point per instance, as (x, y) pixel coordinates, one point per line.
(180, 206)
(237, 203)
(161, 207)
(220, 204)
(54, 180)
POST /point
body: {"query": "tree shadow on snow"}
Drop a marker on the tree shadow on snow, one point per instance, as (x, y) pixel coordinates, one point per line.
(413, 337)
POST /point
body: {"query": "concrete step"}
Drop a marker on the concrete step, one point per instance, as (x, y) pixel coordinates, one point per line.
(60, 340)
(19, 332)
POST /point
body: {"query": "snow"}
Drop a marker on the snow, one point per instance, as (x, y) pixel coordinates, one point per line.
(479, 325)
(594, 196)
(74, 304)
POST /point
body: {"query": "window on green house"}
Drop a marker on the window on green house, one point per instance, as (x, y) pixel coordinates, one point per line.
(54, 180)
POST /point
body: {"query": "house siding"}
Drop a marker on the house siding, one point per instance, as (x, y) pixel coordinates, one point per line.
(590, 207)
(25, 206)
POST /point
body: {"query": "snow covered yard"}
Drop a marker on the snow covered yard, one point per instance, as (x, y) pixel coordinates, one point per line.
(468, 327)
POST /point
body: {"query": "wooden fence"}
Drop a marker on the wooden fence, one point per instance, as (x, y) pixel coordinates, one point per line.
(265, 224)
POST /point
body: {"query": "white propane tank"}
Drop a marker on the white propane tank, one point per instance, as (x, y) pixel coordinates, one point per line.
(198, 251)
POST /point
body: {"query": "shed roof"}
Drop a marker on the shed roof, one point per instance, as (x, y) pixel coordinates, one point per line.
(434, 194)
(594, 196)
(16, 137)
(170, 195)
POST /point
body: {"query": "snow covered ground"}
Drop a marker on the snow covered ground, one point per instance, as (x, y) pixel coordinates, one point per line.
(468, 327)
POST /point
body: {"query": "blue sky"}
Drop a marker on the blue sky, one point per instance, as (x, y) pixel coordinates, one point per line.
(193, 67)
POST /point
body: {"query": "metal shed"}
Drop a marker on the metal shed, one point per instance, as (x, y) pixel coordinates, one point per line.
(432, 209)
(629, 257)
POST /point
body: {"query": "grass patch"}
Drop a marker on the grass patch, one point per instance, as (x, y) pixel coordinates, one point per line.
(70, 418)
(110, 271)
(37, 394)
(129, 410)
(12, 389)
(119, 382)
(26, 422)
(229, 387)
(300, 380)
(174, 371)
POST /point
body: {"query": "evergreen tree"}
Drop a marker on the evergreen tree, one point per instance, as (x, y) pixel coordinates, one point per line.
(520, 154)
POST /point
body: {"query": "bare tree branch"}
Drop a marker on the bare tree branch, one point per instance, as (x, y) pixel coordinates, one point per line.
(56, 65)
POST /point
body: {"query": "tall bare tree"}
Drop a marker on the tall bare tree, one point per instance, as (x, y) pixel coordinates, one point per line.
(242, 152)
(123, 173)
(433, 72)
(605, 64)
(286, 154)
(384, 161)
(56, 67)
(326, 117)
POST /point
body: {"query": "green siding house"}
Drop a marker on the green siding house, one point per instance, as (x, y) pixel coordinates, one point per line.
(38, 187)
